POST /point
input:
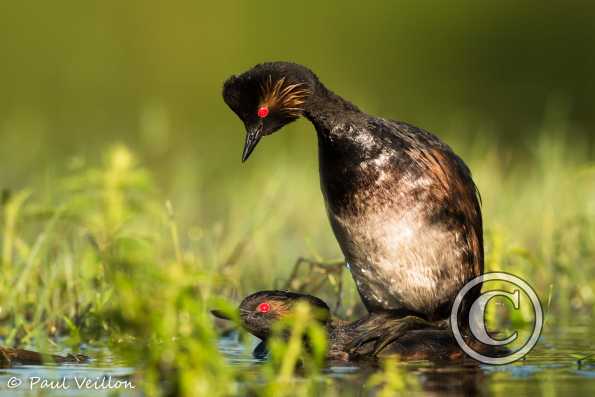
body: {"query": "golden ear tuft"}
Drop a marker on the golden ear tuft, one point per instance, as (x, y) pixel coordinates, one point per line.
(280, 308)
(288, 99)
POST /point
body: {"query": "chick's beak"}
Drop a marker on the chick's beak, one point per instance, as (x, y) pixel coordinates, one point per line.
(253, 135)
(220, 314)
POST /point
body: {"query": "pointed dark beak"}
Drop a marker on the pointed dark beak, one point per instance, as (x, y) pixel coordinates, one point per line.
(220, 314)
(253, 135)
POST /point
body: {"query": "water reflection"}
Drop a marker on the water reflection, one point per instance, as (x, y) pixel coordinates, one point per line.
(554, 367)
(551, 368)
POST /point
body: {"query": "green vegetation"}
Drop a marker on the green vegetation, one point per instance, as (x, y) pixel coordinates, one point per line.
(101, 257)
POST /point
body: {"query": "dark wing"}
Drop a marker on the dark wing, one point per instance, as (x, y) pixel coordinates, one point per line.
(454, 190)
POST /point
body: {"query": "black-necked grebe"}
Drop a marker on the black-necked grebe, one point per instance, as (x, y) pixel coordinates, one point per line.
(402, 204)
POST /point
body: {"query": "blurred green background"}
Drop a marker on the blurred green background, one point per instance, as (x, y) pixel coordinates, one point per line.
(78, 75)
(509, 84)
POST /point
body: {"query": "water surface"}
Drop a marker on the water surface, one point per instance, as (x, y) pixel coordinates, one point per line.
(552, 368)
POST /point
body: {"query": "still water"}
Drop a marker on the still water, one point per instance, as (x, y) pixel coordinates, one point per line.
(552, 368)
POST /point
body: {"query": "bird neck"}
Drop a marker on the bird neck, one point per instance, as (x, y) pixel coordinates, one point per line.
(327, 110)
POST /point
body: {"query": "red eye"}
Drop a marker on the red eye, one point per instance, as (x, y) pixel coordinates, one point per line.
(264, 308)
(263, 111)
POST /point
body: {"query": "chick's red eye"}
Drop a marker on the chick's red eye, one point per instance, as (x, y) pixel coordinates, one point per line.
(263, 308)
(263, 111)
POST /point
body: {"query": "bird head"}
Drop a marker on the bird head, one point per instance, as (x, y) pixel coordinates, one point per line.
(267, 97)
(259, 311)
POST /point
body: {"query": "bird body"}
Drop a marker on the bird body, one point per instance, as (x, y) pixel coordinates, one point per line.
(399, 221)
(415, 344)
(402, 205)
